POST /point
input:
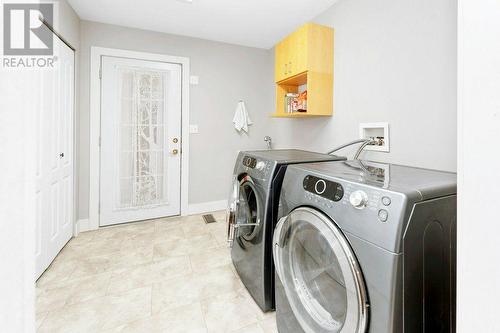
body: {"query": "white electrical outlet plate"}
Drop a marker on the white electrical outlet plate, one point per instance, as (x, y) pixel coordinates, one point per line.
(193, 129)
(368, 130)
(194, 80)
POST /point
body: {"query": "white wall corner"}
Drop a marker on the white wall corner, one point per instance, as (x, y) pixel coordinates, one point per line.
(207, 207)
(82, 225)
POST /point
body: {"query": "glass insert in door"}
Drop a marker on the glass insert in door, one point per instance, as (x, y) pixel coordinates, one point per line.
(319, 273)
(248, 212)
(142, 133)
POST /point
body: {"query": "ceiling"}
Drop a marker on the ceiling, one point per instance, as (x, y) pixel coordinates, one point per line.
(256, 23)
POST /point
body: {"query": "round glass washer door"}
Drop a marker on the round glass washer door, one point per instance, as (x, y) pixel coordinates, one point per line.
(249, 209)
(320, 274)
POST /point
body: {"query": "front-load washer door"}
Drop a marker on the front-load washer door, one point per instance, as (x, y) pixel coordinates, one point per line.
(248, 248)
(319, 272)
(249, 210)
(232, 208)
(244, 210)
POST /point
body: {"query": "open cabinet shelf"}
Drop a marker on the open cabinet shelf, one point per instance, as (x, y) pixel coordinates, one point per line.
(319, 95)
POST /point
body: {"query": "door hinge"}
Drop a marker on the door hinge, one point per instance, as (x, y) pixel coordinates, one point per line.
(99, 142)
(100, 73)
(99, 208)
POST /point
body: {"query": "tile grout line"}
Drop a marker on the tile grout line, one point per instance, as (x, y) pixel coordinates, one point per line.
(203, 316)
(193, 224)
(151, 301)
(43, 320)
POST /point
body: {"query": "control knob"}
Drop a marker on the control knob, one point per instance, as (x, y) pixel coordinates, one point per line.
(358, 199)
(261, 166)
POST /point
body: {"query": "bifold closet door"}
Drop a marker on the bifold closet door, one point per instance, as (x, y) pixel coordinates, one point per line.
(54, 172)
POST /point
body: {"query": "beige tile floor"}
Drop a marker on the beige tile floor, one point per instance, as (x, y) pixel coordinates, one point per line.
(166, 275)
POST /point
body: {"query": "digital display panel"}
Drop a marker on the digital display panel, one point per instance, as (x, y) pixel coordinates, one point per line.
(324, 188)
(249, 162)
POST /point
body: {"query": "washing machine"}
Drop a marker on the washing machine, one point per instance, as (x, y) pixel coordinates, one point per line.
(252, 212)
(365, 247)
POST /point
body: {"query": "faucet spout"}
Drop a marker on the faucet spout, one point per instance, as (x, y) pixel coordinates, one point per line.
(269, 141)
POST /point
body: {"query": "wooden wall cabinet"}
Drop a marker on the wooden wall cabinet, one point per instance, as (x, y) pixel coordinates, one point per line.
(305, 57)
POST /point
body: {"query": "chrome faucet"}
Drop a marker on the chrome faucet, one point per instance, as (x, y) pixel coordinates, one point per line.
(269, 141)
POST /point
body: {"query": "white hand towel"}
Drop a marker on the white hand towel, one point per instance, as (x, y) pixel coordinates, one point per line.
(241, 118)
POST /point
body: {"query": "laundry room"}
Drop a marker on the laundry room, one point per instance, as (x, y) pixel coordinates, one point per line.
(252, 166)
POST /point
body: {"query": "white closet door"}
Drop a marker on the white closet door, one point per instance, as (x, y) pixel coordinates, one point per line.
(54, 188)
(140, 140)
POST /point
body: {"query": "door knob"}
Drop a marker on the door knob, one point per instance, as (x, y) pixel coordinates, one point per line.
(61, 155)
(175, 140)
(175, 151)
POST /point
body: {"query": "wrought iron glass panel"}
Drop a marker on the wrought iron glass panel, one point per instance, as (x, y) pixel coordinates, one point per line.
(141, 138)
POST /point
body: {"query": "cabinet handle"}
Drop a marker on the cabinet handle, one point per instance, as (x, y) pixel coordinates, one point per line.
(290, 67)
(285, 70)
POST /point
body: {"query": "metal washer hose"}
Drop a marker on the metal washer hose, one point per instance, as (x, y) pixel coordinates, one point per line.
(365, 142)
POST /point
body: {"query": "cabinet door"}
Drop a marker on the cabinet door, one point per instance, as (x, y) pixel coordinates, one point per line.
(320, 49)
(297, 62)
(282, 59)
(278, 62)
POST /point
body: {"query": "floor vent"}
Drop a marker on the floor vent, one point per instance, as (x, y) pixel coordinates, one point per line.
(209, 218)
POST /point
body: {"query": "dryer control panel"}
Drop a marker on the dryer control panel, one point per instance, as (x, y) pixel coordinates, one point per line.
(324, 188)
(256, 168)
(250, 162)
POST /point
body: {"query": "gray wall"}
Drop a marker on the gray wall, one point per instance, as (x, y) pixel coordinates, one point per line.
(227, 74)
(395, 61)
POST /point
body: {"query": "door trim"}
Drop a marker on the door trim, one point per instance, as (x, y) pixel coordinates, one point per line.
(96, 54)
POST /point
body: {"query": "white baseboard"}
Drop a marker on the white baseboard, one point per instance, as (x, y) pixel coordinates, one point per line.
(82, 225)
(198, 208)
(207, 207)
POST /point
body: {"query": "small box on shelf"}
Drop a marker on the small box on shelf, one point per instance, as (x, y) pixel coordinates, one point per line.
(296, 102)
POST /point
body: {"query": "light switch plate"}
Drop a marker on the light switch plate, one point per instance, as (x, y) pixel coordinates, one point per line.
(193, 129)
(194, 79)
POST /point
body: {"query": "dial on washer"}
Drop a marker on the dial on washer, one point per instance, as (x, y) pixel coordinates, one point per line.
(358, 199)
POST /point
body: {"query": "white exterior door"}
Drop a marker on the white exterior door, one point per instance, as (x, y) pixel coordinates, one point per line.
(140, 140)
(54, 172)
